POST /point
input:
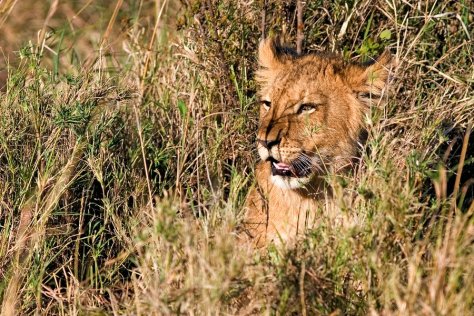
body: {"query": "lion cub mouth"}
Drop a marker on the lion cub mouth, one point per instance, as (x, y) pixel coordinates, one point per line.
(288, 170)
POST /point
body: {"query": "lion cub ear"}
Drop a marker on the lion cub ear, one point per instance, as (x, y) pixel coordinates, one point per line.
(272, 57)
(370, 81)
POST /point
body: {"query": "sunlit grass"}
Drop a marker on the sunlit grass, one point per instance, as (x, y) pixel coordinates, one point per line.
(125, 163)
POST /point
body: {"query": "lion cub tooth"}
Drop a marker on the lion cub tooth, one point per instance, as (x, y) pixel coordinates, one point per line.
(281, 166)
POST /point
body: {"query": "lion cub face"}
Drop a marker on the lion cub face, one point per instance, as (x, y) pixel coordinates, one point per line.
(312, 110)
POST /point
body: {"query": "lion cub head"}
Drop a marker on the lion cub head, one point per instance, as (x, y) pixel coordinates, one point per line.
(312, 110)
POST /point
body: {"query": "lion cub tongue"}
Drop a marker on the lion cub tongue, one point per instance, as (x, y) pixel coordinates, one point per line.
(281, 166)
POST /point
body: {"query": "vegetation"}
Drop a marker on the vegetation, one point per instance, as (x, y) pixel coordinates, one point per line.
(127, 145)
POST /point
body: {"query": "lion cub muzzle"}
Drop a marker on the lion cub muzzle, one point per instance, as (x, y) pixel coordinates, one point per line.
(280, 160)
(277, 167)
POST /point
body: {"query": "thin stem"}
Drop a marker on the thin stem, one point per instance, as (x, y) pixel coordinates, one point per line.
(299, 27)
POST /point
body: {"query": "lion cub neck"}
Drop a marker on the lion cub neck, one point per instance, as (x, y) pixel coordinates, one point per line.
(279, 215)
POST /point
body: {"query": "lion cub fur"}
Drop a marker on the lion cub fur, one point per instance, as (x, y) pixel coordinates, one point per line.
(311, 118)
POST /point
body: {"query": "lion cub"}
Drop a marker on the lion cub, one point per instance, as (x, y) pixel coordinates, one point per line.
(311, 117)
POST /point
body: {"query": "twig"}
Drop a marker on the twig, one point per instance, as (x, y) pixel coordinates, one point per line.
(111, 23)
(42, 34)
(299, 27)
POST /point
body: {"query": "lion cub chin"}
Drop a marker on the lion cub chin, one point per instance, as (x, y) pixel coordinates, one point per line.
(311, 118)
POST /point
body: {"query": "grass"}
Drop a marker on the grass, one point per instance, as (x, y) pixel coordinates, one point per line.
(127, 150)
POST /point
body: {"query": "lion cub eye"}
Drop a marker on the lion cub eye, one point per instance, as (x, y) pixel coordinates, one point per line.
(307, 108)
(266, 104)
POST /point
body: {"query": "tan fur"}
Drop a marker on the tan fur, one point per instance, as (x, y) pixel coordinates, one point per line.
(325, 131)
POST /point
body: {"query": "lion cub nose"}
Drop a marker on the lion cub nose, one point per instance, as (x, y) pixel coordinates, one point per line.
(269, 143)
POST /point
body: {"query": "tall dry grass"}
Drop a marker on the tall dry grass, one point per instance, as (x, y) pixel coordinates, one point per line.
(126, 137)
